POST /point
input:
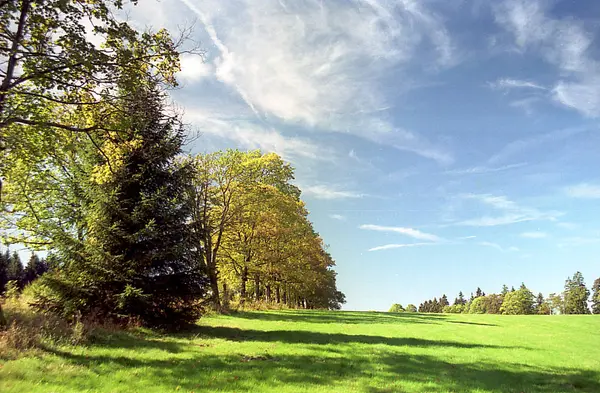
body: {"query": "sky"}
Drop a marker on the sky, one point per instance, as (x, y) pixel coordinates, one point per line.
(440, 145)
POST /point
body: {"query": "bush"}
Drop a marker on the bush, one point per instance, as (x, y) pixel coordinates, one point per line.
(396, 308)
(455, 309)
(478, 306)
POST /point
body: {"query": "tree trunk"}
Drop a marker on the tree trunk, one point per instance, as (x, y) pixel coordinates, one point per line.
(243, 284)
(214, 286)
(277, 294)
(225, 295)
(268, 288)
(257, 286)
(284, 297)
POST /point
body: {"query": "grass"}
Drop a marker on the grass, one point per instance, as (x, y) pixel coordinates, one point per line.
(311, 351)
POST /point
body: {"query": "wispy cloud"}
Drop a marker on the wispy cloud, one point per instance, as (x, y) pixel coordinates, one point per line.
(194, 69)
(507, 83)
(338, 217)
(498, 247)
(562, 42)
(250, 135)
(467, 237)
(304, 62)
(521, 145)
(414, 233)
(484, 169)
(534, 235)
(328, 192)
(392, 246)
(584, 191)
(512, 212)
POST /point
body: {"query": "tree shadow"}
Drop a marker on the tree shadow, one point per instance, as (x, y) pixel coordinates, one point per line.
(340, 317)
(310, 337)
(472, 323)
(386, 371)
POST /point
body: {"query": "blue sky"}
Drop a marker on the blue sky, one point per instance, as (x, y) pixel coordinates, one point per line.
(440, 145)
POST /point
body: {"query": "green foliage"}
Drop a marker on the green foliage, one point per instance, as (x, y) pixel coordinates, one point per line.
(455, 309)
(15, 270)
(576, 295)
(396, 308)
(411, 308)
(4, 261)
(493, 303)
(596, 297)
(519, 302)
(478, 305)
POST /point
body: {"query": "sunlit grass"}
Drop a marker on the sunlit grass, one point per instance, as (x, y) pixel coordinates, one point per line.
(293, 351)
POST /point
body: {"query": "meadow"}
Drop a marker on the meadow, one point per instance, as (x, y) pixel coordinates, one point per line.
(318, 351)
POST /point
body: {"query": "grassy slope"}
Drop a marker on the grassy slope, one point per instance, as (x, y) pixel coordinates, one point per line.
(329, 352)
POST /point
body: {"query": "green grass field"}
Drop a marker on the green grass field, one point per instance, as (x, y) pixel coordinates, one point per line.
(294, 351)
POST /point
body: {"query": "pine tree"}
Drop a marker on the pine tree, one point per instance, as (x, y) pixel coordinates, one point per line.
(504, 290)
(15, 269)
(576, 295)
(512, 289)
(461, 299)
(479, 292)
(596, 297)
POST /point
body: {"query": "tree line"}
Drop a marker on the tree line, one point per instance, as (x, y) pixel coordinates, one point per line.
(12, 270)
(92, 169)
(573, 300)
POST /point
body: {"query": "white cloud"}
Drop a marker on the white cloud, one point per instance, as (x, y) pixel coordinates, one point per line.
(507, 83)
(467, 237)
(498, 247)
(567, 225)
(323, 191)
(534, 235)
(584, 191)
(392, 246)
(194, 68)
(577, 241)
(414, 233)
(512, 212)
(249, 135)
(562, 42)
(521, 145)
(305, 61)
(484, 169)
(338, 217)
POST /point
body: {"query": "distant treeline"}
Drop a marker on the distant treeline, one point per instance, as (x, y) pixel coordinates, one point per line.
(13, 271)
(573, 300)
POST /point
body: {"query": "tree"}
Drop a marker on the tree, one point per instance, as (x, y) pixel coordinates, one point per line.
(556, 304)
(443, 302)
(518, 303)
(411, 308)
(396, 308)
(34, 269)
(596, 297)
(504, 290)
(460, 300)
(478, 305)
(4, 260)
(576, 295)
(15, 269)
(39, 68)
(493, 303)
(136, 259)
(479, 292)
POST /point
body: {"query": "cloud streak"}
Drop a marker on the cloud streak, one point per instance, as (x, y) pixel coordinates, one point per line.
(410, 232)
(329, 192)
(584, 191)
(393, 246)
(512, 212)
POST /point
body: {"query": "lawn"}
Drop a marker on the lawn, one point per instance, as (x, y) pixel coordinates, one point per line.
(306, 351)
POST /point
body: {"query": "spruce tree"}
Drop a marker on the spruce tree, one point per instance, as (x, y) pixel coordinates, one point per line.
(137, 259)
(504, 290)
(576, 295)
(539, 303)
(479, 292)
(35, 268)
(15, 269)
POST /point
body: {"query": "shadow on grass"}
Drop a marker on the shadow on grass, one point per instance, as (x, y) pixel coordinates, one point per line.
(341, 317)
(309, 337)
(386, 371)
(472, 323)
